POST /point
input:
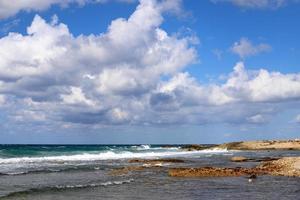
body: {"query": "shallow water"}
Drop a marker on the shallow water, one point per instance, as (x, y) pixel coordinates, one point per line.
(83, 172)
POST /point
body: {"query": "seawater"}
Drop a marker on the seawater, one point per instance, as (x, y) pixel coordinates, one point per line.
(83, 172)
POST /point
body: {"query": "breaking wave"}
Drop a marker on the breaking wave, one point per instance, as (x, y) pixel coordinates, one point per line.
(108, 155)
(66, 187)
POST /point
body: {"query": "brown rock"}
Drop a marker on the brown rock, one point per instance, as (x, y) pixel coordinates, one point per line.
(194, 147)
(156, 161)
(263, 145)
(239, 159)
(244, 159)
(126, 170)
(287, 166)
(213, 172)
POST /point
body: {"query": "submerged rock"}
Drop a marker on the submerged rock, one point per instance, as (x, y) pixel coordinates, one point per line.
(244, 159)
(213, 172)
(287, 166)
(194, 147)
(128, 169)
(156, 161)
(239, 159)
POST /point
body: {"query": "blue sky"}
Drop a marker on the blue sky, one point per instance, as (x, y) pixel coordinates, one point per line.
(170, 71)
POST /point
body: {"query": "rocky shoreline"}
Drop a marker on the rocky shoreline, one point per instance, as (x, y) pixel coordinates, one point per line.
(262, 145)
(287, 166)
(250, 145)
(274, 166)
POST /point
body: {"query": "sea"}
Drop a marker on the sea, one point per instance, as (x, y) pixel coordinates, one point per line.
(63, 172)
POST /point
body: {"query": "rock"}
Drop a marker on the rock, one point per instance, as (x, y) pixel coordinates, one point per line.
(213, 172)
(156, 161)
(253, 176)
(128, 169)
(244, 159)
(194, 147)
(262, 145)
(239, 159)
(287, 166)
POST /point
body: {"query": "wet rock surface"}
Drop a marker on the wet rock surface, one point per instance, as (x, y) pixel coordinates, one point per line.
(129, 169)
(195, 147)
(214, 172)
(287, 166)
(156, 161)
(244, 159)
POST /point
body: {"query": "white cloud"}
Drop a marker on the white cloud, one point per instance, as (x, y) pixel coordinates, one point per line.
(262, 85)
(257, 4)
(76, 97)
(134, 73)
(29, 116)
(244, 48)
(297, 119)
(69, 74)
(257, 119)
(2, 100)
(9, 8)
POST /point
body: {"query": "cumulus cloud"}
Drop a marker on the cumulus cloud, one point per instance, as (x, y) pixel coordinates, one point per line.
(9, 8)
(80, 73)
(245, 48)
(257, 119)
(297, 119)
(134, 73)
(2, 100)
(262, 85)
(257, 4)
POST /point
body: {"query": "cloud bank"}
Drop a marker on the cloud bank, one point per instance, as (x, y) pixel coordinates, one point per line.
(257, 4)
(8, 9)
(132, 74)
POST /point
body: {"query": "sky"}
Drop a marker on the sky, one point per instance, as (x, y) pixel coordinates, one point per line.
(149, 71)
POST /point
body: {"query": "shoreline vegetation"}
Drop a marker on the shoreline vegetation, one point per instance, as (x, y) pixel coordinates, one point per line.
(273, 166)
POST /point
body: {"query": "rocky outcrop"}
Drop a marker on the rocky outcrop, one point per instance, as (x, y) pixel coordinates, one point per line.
(194, 147)
(156, 161)
(213, 172)
(262, 145)
(128, 169)
(146, 164)
(244, 159)
(288, 166)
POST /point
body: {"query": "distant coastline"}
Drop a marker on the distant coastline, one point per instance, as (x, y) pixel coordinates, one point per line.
(250, 145)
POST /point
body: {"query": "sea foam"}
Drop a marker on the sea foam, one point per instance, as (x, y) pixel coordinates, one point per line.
(108, 155)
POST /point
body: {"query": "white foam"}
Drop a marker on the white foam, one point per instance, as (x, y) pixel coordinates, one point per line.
(144, 146)
(94, 184)
(109, 155)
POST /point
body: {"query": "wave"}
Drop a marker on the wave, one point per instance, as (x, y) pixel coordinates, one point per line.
(65, 187)
(41, 171)
(144, 147)
(108, 155)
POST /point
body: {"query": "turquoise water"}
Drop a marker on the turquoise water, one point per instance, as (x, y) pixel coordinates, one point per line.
(21, 159)
(83, 172)
(9, 151)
